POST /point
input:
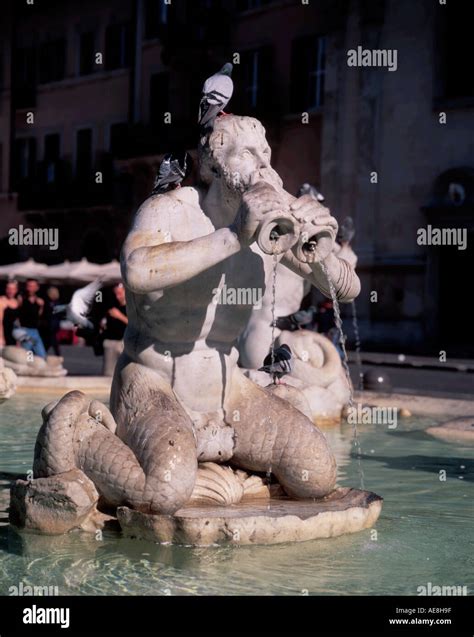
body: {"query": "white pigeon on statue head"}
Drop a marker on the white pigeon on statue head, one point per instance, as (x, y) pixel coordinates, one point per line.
(216, 94)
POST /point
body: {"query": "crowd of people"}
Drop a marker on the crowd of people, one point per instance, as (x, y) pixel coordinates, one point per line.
(30, 319)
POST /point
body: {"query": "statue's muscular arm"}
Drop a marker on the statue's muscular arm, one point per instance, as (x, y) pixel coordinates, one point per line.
(153, 260)
(343, 277)
(345, 280)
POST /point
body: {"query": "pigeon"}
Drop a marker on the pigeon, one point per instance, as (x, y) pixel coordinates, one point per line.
(173, 169)
(308, 189)
(80, 305)
(298, 320)
(216, 94)
(346, 231)
(303, 317)
(279, 364)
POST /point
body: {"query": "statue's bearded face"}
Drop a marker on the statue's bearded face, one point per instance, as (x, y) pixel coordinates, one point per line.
(241, 155)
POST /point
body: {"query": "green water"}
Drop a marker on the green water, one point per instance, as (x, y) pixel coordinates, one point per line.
(425, 532)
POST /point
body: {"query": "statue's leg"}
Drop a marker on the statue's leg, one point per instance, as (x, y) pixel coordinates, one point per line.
(153, 470)
(152, 423)
(272, 435)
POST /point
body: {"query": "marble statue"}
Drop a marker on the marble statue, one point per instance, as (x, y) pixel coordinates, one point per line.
(318, 372)
(8, 382)
(25, 363)
(183, 416)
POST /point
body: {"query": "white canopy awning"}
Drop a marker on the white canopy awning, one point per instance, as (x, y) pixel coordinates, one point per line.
(110, 272)
(69, 272)
(24, 270)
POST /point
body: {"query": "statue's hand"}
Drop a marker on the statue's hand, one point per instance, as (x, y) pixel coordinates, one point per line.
(306, 209)
(257, 201)
(314, 218)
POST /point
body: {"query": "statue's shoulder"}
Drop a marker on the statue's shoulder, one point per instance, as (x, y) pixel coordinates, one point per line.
(178, 212)
(175, 200)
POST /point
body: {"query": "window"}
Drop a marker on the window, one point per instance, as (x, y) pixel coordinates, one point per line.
(25, 77)
(84, 155)
(307, 73)
(256, 71)
(159, 98)
(86, 53)
(210, 4)
(25, 66)
(456, 47)
(51, 156)
(2, 64)
(118, 139)
(52, 61)
(246, 5)
(157, 14)
(117, 46)
(25, 159)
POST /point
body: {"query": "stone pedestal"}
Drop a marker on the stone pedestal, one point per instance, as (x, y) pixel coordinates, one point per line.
(458, 430)
(8, 382)
(259, 522)
(25, 363)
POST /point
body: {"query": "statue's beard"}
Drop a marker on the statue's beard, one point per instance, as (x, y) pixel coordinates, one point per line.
(234, 181)
(238, 183)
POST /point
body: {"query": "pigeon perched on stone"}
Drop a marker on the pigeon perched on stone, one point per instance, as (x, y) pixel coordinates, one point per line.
(308, 189)
(216, 94)
(173, 169)
(303, 317)
(278, 365)
(79, 307)
(298, 320)
(346, 231)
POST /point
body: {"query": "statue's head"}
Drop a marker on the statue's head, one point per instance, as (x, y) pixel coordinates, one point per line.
(237, 151)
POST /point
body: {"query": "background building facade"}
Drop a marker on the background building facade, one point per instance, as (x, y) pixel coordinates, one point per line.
(92, 93)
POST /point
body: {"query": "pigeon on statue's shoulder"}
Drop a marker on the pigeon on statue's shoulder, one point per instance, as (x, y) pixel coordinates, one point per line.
(173, 169)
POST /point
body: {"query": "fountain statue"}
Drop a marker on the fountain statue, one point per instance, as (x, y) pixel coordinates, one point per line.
(25, 363)
(318, 374)
(8, 382)
(192, 450)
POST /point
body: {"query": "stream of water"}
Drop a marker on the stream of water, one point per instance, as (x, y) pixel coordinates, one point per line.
(345, 364)
(355, 325)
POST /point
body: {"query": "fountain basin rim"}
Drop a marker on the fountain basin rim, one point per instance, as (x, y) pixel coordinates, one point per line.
(418, 404)
(273, 521)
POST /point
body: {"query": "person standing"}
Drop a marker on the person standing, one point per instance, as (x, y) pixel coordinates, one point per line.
(116, 316)
(50, 322)
(9, 307)
(30, 313)
(114, 322)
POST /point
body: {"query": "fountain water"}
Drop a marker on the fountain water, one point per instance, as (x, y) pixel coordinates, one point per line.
(274, 274)
(272, 347)
(342, 341)
(355, 325)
